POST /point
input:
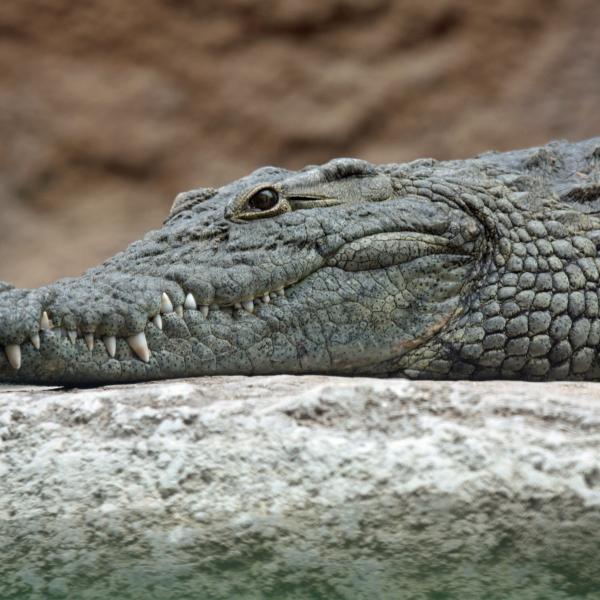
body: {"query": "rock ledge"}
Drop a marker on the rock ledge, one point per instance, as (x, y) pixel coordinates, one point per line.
(301, 488)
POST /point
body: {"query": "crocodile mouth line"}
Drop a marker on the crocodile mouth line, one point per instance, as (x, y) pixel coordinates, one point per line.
(138, 342)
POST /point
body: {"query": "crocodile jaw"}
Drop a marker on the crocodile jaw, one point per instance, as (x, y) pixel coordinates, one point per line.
(352, 273)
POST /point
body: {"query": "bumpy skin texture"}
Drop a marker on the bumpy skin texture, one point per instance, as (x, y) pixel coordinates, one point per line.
(482, 268)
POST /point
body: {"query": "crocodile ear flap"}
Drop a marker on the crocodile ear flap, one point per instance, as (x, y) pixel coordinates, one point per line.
(187, 200)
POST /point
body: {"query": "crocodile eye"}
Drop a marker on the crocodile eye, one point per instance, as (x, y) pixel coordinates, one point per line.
(264, 199)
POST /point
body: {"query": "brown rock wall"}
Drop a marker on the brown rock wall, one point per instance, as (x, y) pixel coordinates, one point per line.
(109, 108)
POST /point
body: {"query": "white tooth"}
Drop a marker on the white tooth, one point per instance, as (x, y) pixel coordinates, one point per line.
(248, 305)
(45, 321)
(139, 345)
(280, 292)
(72, 336)
(110, 341)
(238, 306)
(89, 340)
(179, 311)
(157, 321)
(166, 306)
(190, 302)
(266, 298)
(204, 310)
(35, 340)
(13, 353)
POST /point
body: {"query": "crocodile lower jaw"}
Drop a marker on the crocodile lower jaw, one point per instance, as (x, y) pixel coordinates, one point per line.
(136, 342)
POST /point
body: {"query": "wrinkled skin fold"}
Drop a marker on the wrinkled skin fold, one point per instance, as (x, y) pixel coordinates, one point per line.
(482, 268)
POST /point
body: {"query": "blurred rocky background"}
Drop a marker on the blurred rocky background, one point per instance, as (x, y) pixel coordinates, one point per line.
(109, 108)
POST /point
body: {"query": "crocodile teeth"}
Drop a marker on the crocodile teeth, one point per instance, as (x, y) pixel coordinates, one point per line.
(237, 306)
(190, 302)
(45, 321)
(89, 340)
(13, 353)
(110, 341)
(157, 320)
(204, 310)
(166, 306)
(72, 335)
(35, 340)
(280, 292)
(266, 298)
(139, 345)
(248, 305)
(179, 311)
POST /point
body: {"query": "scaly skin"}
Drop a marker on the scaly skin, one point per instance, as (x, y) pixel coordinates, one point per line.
(483, 268)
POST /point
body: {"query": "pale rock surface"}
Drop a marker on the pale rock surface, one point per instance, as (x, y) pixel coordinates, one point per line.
(301, 488)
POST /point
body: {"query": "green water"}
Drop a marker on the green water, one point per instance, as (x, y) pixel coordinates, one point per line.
(544, 555)
(256, 577)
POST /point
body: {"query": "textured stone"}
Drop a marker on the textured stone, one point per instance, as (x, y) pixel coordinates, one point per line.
(315, 487)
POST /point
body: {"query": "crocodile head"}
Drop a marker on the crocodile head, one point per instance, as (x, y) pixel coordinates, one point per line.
(344, 268)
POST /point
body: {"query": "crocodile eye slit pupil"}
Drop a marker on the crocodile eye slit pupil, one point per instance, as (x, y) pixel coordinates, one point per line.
(263, 200)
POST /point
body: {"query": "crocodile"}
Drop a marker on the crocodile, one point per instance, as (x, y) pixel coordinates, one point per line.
(464, 269)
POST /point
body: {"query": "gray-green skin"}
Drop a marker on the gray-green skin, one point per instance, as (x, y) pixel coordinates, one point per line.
(481, 268)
